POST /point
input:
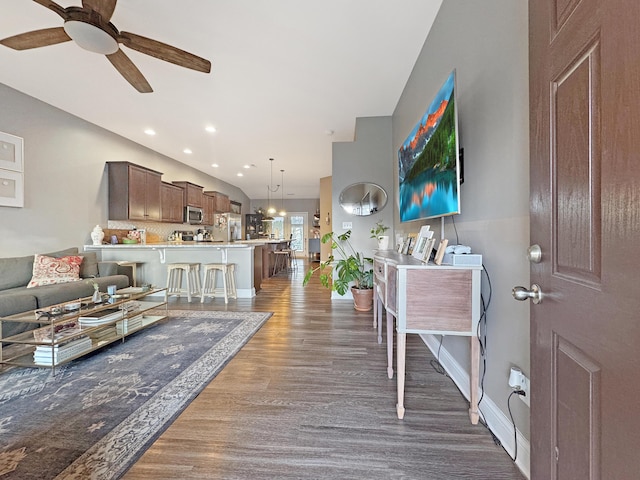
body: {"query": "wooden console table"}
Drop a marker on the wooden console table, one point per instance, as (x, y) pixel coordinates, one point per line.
(426, 299)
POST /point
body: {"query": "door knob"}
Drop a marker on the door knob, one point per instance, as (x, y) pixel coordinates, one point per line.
(521, 293)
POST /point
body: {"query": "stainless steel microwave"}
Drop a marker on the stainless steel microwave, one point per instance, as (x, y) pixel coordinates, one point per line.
(193, 215)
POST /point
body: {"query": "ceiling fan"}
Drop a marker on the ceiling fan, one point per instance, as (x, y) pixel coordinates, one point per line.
(91, 29)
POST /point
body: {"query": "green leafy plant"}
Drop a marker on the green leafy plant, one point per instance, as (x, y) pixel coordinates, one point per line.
(378, 229)
(352, 267)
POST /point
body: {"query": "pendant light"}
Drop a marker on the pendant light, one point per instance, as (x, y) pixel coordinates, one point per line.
(270, 190)
(283, 213)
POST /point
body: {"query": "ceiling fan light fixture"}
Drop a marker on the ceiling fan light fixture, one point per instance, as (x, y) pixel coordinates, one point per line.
(91, 37)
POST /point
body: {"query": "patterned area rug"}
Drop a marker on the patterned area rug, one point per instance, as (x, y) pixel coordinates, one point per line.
(97, 416)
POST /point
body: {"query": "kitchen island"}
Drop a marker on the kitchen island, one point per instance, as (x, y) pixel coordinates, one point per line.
(154, 257)
(268, 258)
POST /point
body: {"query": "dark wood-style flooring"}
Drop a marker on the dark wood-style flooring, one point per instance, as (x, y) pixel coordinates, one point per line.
(308, 398)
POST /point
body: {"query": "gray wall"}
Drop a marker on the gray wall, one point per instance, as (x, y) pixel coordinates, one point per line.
(366, 159)
(65, 175)
(487, 43)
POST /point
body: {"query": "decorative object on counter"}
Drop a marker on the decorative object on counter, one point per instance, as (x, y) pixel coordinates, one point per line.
(114, 240)
(97, 235)
(377, 232)
(353, 267)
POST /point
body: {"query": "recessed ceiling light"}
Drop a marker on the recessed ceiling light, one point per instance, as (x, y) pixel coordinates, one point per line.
(150, 131)
(246, 167)
(215, 165)
(187, 151)
(240, 174)
(210, 128)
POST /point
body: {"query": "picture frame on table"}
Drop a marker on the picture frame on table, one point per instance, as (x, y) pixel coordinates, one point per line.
(420, 250)
(410, 243)
(11, 152)
(440, 252)
(11, 189)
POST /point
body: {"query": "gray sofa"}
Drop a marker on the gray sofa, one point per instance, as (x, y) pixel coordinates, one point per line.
(16, 272)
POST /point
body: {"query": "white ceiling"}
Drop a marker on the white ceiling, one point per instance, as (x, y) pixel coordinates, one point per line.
(288, 78)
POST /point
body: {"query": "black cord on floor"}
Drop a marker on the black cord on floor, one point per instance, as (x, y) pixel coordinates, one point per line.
(515, 431)
(437, 366)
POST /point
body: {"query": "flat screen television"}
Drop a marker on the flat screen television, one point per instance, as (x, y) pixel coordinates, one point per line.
(429, 166)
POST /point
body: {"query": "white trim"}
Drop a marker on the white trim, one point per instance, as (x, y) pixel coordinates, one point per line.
(498, 421)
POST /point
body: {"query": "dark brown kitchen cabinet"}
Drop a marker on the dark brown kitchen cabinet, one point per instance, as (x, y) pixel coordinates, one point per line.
(192, 193)
(134, 192)
(172, 202)
(209, 202)
(221, 202)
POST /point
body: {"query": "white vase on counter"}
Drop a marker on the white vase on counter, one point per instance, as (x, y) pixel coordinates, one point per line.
(383, 242)
(97, 234)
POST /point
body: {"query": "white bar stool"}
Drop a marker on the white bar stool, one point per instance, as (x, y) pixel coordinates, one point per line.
(227, 272)
(191, 274)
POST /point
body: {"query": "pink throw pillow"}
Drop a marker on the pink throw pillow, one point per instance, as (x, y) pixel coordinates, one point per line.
(50, 270)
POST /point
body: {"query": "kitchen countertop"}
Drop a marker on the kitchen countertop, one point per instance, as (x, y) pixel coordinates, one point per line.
(186, 244)
(172, 245)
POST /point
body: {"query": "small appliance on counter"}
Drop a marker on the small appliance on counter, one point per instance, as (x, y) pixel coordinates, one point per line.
(182, 235)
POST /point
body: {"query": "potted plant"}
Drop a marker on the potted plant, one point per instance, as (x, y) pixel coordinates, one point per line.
(377, 232)
(353, 270)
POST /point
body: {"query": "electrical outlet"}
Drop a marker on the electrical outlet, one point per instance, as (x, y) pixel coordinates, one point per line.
(525, 387)
(519, 381)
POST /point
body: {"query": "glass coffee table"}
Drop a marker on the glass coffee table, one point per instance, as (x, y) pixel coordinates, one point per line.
(69, 330)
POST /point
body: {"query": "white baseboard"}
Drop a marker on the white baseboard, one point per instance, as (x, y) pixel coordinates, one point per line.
(499, 422)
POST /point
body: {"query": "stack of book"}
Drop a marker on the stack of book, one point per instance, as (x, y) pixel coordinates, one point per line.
(101, 335)
(56, 354)
(129, 325)
(92, 319)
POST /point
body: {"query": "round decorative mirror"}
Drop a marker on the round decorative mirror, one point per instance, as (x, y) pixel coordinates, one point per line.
(363, 199)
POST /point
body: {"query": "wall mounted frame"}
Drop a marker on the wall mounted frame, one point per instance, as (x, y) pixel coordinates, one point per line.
(11, 153)
(11, 188)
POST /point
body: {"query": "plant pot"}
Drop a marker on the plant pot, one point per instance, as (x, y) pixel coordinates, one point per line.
(383, 242)
(362, 299)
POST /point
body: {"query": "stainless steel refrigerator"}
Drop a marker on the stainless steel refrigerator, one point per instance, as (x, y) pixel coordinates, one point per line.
(227, 227)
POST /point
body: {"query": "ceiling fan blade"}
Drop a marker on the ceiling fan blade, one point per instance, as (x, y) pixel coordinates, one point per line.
(37, 38)
(129, 71)
(51, 5)
(104, 7)
(164, 52)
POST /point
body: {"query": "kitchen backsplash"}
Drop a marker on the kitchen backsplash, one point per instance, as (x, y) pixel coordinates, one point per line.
(159, 231)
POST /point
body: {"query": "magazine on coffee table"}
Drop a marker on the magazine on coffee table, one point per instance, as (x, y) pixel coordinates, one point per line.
(103, 316)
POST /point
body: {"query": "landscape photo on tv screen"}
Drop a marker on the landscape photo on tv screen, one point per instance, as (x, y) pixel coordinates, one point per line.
(428, 173)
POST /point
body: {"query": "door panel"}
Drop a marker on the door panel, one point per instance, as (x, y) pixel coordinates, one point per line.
(577, 414)
(585, 215)
(576, 167)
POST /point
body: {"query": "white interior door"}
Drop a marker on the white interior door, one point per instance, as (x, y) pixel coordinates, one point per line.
(298, 225)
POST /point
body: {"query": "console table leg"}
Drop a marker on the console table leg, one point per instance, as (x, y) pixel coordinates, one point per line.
(380, 310)
(389, 345)
(402, 345)
(475, 373)
(375, 306)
